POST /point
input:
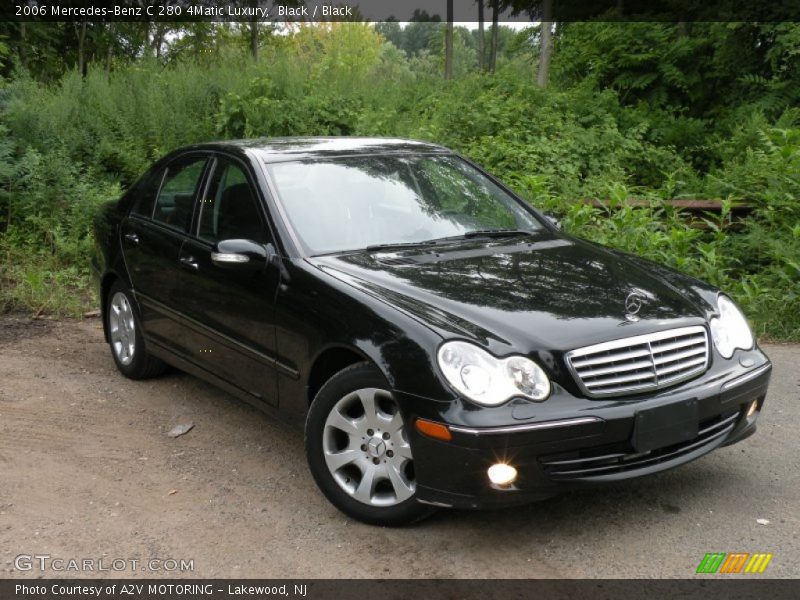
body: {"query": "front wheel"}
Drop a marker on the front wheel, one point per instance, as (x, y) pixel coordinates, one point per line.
(358, 450)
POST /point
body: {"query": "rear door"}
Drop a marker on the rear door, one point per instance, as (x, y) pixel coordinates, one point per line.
(152, 236)
(231, 312)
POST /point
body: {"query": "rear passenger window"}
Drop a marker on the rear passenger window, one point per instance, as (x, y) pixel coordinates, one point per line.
(145, 193)
(175, 201)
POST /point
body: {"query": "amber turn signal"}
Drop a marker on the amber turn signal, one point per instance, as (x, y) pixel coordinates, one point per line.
(434, 430)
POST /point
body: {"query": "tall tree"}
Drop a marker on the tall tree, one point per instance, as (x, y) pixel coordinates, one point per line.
(80, 31)
(481, 39)
(545, 44)
(254, 32)
(493, 45)
(23, 45)
(148, 44)
(448, 42)
(254, 38)
(159, 36)
(109, 57)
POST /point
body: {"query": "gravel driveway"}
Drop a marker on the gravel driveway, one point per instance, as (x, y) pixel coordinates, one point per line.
(87, 471)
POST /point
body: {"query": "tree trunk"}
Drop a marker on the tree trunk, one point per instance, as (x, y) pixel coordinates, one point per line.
(148, 45)
(82, 48)
(546, 44)
(23, 46)
(109, 49)
(493, 46)
(481, 40)
(448, 42)
(254, 38)
(158, 40)
(254, 31)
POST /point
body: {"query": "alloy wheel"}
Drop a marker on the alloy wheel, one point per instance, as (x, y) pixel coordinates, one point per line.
(122, 328)
(366, 449)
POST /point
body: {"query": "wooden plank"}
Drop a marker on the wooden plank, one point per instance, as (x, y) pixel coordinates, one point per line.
(687, 204)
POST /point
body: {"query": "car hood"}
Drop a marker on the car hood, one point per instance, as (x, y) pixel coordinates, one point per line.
(544, 291)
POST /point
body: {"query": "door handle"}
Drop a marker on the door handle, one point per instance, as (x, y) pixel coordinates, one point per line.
(188, 262)
(132, 238)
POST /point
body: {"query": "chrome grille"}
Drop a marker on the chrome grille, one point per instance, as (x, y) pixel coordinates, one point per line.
(640, 363)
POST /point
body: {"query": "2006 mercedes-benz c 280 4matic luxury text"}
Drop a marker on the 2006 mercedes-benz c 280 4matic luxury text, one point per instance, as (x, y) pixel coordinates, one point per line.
(442, 342)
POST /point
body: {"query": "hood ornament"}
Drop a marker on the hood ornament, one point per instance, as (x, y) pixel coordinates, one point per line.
(633, 304)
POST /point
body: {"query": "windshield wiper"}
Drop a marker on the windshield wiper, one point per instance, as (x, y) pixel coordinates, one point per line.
(390, 246)
(496, 233)
(452, 238)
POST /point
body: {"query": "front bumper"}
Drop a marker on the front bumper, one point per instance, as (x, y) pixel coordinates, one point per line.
(574, 442)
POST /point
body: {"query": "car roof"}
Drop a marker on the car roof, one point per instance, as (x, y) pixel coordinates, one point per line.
(281, 149)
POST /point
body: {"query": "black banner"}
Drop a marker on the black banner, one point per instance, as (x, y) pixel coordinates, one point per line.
(394, 10)
(323, 589)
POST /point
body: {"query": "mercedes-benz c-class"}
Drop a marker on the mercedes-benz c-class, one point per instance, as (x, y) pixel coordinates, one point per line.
(441, 342)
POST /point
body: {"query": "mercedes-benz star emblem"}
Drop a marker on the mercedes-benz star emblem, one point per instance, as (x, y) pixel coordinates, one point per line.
(633, 304)
(376, 448)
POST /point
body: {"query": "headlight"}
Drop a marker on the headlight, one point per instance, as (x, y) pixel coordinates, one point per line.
(730, 330)
(488, 380)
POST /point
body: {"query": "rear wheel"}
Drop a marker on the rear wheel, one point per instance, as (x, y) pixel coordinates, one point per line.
(358, 449)
(125, 337)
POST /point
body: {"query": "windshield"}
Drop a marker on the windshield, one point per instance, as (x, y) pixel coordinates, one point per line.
(359, 202)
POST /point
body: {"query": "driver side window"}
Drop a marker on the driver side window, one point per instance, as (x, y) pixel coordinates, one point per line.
(229, 209)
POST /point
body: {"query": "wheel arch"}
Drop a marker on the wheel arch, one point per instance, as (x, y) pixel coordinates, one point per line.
(331, 360)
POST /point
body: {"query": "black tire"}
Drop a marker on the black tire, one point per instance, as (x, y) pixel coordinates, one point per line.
(141, 364)
(342, 385)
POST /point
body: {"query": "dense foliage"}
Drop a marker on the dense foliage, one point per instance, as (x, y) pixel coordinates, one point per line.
(651, 111)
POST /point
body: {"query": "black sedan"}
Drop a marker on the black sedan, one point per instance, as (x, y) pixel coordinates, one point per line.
(441, 342)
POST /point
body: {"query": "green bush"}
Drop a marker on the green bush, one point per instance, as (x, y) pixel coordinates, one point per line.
(47, 234)
(599, 131)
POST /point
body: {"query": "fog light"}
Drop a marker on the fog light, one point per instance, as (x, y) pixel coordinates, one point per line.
(502, 474)
(753, 408)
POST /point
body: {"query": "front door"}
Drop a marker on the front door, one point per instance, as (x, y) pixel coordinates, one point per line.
(231, 312)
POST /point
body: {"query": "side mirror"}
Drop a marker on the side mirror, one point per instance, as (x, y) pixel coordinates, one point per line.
(554, 221)
(242, 255)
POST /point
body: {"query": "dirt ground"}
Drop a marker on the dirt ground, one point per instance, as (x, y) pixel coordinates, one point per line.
(87, 471)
